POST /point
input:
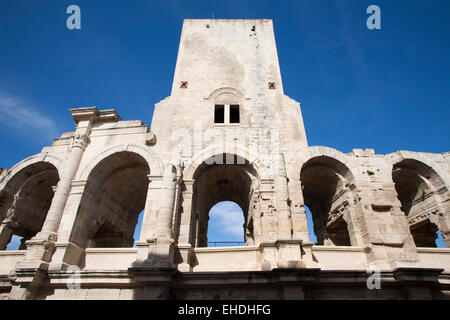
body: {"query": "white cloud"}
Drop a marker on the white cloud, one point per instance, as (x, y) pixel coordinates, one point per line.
(17, 114)
(228, 218)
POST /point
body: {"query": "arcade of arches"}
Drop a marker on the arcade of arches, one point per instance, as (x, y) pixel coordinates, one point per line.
(116, 189)
(120, 186)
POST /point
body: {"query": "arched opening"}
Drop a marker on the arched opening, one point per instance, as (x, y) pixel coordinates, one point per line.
(113, 199)
(24, 203)
(310, 222)
(137, 229)
(216, 183)
(226, 225)
(440, 242)
(417, 187)
(325, 182)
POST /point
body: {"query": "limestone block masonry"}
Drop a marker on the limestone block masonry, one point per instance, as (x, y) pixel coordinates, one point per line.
(226, 132)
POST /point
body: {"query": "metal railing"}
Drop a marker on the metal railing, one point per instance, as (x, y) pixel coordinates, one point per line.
(227, 243)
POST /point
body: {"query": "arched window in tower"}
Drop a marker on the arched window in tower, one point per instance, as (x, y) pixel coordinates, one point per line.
(227, 105)
(226, 113)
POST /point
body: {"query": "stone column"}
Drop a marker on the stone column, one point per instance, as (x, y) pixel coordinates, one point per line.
(150, 219)
(298, 211)
(59, 201)
(185, 225)
(40, 248)
(68, 250)
(161, 249)
(386, 235)
(184, 246)
(283, 209)
(284, 252)
(268, 217)
(168, 192)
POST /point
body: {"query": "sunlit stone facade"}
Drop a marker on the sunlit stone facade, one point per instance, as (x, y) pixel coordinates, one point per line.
(226, 132)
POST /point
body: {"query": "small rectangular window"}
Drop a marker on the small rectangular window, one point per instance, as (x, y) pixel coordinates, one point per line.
(234, 114)
(219, 113)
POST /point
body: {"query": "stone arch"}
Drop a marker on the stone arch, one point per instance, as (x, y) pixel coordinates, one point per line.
(225, 90)
(55, 160)
(327, 186)
(243, 154)
(25, 197)
(216, 182)
(114, 195)
(153, 161)
(296, 160)
(398, 156)
(425, 198)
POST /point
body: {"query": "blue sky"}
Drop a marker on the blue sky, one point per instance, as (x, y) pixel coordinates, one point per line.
(226, 221)
(385, 89)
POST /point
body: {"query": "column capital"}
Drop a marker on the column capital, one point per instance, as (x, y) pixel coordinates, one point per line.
(80, 141)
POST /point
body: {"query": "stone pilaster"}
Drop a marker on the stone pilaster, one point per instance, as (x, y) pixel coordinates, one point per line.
(186, 215)
(289, 254)
(43, 244)
(162, 245)
(282, 201)
(185, 254)
(388, 240)
(298, 211)
(66, 251)
(151, 209)
(150, 219)
(167, 202)
(84, 118)
(184, 247)
(268, 218)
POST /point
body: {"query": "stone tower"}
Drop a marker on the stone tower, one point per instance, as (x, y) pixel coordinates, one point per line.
(226, 132)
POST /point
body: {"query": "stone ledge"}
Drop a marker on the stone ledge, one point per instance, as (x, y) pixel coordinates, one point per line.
(111, 250)
(226, 249)
(433, 250)
(338, 248)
